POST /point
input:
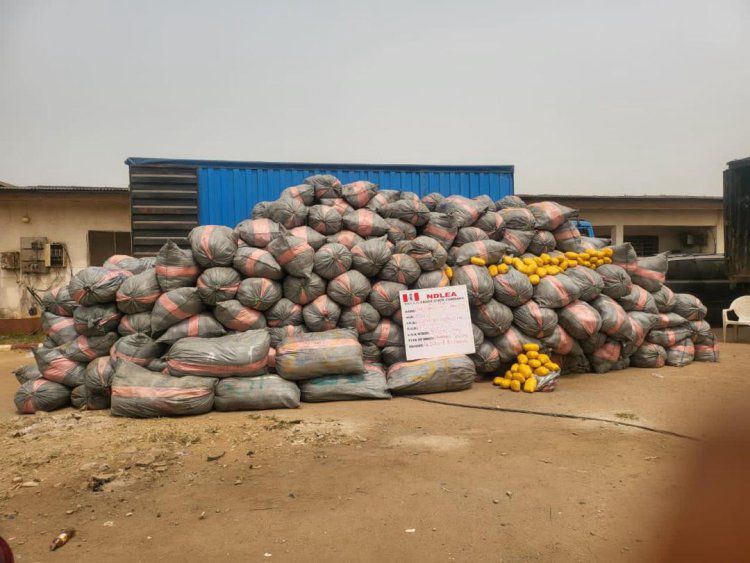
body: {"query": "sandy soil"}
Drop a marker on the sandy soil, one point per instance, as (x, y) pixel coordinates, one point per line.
(367, 481)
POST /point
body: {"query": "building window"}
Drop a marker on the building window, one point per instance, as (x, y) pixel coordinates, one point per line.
(103, 244)
(644, 245)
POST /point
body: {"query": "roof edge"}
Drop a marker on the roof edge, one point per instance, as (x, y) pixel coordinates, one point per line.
(140, 161)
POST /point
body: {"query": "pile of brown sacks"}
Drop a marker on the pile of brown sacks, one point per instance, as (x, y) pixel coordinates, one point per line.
(301, 301)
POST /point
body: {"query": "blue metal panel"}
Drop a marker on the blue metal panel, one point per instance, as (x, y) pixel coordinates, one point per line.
(227, 191)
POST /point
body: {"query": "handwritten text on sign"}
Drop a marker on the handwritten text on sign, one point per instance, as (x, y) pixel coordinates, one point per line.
(437, 322)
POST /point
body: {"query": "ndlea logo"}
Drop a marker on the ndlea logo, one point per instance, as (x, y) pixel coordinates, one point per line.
(440, 295)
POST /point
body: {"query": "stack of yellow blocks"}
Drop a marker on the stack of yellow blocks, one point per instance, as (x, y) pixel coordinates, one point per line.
(530, 364)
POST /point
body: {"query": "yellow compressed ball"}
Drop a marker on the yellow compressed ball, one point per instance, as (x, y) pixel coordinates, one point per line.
(515, 385)
(449, 272)
(531, 347)
(535, 364)
(508, 260)
(534, 279)
(522, 359)
(505, 383)
(532, 354)
(493, 270)
(503, 268)
(541, 272)
(477, 261)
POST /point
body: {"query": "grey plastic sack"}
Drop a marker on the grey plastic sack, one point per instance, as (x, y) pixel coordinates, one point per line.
(362, 318)
(440, 227)
(392, 355)
(349, 289)
(689, 307)
(615, 322)
(175, 306)
(213, 245)
(664, 299)
(138, 293)
(510, 343)
(509, 201)
(518, 218)
(414, 213)
(27, 373)
(542, 242)
(347, 238)
(701, 332)
(371, 255)
(324, 185)
(284, 313)
(204, 325)
(259, 293)
(78, 397)
(400, 268)
(432, 199)
(589, 282)
(533, 320)
(491, 251)
(332, 260)
(399, 230)
(263, 392)
(681, 354)
(59, 329)
(365, 223)
(288, 213)
(257, 263)
(140, 393)
(321, 314)
(233, 315)
(648, 355)
(314, 354)
(310, 236)
(94, 285)
(279, 333)
(667, 337)
(125, 262)
(59, 302)
(259, 232)
(493, 318)
(464, 212)
(86, 348)
(512, 288)
(438, 278)
(41, 395)
(96, 320)
(580, 319)
(325, 219)
(55, 367)
(706, 352)
(384, 297)
(358, 194)
(605, 358)
(242, 354)
(638, 300)
(517, 241)
(175, 267)
(98, 379)
(556, 291)
(386, 333)
(651, 271)
(562, 343)
(137, 348)
(492, 224)
(304, 291)
(478, 335)
(549, 215)
(436, 375)
(427, 253)
(218, 284)
(617, 282)
(261, 210)
(567, 237)
(479, 285)
(304, 193)
(486, 358)
(368, 385)
(293, 254)
(669, 320)
(132, 324)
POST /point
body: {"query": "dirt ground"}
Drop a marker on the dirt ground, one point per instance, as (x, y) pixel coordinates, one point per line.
(368, 481)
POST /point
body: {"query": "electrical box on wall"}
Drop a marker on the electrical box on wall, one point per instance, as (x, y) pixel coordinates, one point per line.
(54, 255)
(32, 255)
(10, 260)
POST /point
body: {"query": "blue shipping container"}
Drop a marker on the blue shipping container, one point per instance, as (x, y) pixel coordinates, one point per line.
(228, 190)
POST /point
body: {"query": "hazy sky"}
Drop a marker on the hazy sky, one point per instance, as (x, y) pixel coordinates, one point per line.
(598, 97)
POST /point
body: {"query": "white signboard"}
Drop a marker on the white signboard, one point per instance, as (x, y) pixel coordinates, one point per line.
(437, 322)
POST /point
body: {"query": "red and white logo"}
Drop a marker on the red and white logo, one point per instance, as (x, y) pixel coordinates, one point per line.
(413, 297)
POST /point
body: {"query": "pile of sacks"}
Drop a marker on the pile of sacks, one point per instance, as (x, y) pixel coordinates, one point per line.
(301, 301)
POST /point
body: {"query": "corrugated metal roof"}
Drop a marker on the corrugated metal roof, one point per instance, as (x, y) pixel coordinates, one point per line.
(138, 161)
(52, 189)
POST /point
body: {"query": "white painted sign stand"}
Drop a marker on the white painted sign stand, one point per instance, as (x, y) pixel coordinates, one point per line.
(437, 322)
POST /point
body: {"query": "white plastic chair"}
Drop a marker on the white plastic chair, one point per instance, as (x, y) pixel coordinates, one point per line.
(741, 308)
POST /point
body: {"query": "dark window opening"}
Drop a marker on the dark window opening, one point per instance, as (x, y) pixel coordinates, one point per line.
(644, 245)
(103, 244)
